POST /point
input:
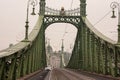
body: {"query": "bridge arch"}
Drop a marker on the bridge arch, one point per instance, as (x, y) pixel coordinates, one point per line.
(54, 34)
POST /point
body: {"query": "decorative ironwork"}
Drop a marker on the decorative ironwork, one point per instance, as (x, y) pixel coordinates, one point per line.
(92, 51)
(75, 20)
(73, 12)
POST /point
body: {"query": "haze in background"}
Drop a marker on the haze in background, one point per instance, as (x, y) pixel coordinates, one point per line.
(13, 16)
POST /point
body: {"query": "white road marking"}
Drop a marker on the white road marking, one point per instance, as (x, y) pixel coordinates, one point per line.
(50, 75)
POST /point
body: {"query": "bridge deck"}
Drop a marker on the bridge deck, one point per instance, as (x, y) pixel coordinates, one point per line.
(65, 74)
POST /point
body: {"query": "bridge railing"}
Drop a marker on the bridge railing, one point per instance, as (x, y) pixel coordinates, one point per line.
(97, 53)
(98, 33)
(23, 44)
(73, 12)
(111, 48)
(15, 61)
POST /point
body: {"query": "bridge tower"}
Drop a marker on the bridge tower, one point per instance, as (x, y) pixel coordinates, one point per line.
(83, 8)
(118, 27)
(42, 7)
(92, 51)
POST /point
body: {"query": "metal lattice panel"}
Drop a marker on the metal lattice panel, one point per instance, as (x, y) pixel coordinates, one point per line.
(73, 12)
(48, 19)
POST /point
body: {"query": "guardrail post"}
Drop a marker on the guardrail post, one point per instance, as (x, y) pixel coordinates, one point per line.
(2, 66)
(12, 69)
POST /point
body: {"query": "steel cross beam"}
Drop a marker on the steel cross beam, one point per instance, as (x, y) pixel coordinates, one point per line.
(50, 19)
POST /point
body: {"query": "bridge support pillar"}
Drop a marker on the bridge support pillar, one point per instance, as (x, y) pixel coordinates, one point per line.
(2, 66)
(42, 7)
(116, 72)
(81, 57)
(90, 51)
(83, 8)
(118, 35)
(12, 70)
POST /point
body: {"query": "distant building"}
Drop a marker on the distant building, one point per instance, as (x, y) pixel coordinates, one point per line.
(54, 57)
(49, 51)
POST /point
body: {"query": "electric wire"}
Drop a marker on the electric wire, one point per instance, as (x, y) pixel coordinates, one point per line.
(66, 23)
(102, 18)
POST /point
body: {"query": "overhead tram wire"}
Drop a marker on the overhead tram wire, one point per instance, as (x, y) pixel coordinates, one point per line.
(66, 23)
(71, 4)
(102, 18)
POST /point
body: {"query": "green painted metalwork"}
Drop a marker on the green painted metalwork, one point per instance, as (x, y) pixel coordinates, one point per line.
(12, 69)
(24, 57)
(92, 51)
(2, 70)
(83, 8)
(42, 7)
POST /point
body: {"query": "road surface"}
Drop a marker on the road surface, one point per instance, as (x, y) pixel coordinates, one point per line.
(64, 74)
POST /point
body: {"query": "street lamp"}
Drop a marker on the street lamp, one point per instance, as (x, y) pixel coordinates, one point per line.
(33, 3)
(113, 6)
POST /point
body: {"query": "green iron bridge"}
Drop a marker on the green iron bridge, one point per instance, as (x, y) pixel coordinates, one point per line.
(92, 51)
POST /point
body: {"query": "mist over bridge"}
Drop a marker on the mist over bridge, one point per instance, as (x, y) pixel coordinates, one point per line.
(92, 50)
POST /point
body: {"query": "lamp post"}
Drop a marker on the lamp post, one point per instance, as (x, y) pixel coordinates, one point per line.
(115, 5)
(33, 3)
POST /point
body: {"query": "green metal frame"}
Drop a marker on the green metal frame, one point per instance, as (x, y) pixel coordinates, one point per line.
(92, 51)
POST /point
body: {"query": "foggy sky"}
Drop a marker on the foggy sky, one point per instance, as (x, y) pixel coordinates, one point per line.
(13, 16)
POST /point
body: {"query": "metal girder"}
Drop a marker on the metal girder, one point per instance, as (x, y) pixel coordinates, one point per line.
(50, 19)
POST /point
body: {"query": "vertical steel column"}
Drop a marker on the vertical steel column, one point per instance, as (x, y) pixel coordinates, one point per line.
(44, 51)
(90, 51)
(40, 47)
(104, 54)
(116, 61)
(42, 7)
(18, 67)
(39, 52)
(106, 59)
(21, 65)
(30, 62)
(86, 49)
(83, 8)
(95, 56)
(111, 63)
(25, 64)
(81, 43)
(101, 63)
(12, 69)
(33, 57)
(75, 55)
(98, 54)
(2, 68)
(79, 50)
(35, 53)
